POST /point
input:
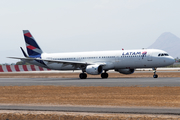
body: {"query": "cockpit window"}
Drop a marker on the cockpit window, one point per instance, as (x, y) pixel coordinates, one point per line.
(163, 54)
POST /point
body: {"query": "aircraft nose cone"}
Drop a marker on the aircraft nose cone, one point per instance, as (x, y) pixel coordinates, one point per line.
(171, 60)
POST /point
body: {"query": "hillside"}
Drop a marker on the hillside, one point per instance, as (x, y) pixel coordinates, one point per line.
(169, 43)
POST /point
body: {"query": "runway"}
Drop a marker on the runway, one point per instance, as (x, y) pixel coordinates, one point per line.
(110, 82)
(96, 109)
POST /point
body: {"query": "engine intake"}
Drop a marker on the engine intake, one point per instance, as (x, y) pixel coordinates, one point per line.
(94, 69)
(125, 71)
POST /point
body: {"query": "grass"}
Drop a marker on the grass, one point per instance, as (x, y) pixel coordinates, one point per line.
(108, 96)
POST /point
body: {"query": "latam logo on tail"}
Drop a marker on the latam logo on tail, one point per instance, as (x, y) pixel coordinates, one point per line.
(28, 35)
(134, 53)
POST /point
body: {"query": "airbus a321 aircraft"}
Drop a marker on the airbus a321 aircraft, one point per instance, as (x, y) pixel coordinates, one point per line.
(95, 62)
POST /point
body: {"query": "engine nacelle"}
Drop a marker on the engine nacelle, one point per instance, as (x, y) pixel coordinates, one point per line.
(125, 71)
(94, 69)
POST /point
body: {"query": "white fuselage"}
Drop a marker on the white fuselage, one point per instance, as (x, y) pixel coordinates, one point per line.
(122, 59)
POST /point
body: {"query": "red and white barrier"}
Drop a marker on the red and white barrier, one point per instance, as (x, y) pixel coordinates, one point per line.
(21, 68)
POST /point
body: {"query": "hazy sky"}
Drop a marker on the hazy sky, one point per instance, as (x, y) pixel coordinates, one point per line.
(85, 25)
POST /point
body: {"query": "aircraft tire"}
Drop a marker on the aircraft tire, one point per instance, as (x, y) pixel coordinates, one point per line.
(155, 76)
(83, 76)
(104, 75)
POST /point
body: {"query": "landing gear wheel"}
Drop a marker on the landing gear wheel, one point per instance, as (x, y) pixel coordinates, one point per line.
(155, 76)
(83, 76)
(104, 75)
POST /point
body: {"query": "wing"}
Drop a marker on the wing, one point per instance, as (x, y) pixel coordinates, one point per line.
(65, 62)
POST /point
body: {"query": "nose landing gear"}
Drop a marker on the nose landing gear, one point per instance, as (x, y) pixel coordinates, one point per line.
(155, 75)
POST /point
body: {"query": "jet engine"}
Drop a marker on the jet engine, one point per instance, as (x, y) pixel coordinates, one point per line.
(125, 71)
(94, 69)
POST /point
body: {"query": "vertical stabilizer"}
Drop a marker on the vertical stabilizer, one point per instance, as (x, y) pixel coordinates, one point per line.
(33, 48)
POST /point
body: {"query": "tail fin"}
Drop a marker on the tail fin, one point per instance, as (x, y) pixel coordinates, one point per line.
(33, 48)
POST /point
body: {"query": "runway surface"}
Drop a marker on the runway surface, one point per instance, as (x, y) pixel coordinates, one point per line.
(99, 109)
(110, 82)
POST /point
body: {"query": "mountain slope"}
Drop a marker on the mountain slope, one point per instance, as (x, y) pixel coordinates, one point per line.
(169, 43)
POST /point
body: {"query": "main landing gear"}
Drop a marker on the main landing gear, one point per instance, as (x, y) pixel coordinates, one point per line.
(104, 75)
(155, 75)
(83, 76)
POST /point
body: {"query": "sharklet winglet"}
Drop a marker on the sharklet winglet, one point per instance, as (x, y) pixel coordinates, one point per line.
(25, 55)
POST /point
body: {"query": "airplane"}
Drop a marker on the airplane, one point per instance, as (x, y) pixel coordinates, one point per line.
(95, 62)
